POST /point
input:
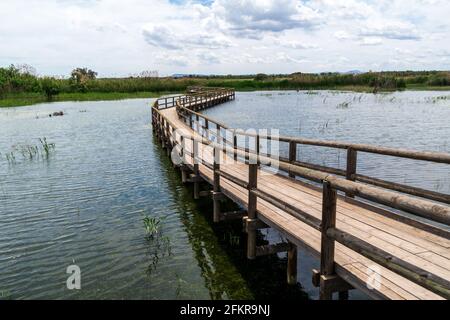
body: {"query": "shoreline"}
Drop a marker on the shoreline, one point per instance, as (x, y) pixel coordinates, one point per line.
(22, 100)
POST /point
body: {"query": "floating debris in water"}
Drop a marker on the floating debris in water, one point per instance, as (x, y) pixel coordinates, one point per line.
(56, 114)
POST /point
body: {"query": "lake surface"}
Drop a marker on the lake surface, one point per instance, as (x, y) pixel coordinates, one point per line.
(84, 204)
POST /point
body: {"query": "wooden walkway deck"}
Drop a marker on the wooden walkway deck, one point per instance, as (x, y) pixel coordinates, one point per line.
(422, 247)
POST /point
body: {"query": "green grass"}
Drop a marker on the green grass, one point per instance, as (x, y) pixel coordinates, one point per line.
(243, 85)
(424, 87)
(26, 99)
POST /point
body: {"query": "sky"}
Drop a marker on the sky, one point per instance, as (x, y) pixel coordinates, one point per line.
(120, 38)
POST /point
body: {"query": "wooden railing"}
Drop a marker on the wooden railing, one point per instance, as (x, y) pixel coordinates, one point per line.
(221, 132)
(188, 146)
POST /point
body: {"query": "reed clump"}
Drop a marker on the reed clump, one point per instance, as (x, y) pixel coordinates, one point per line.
(29, 152)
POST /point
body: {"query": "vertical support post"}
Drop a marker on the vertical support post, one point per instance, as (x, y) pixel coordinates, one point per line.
(252, 206)
(183, 160)
(216, 185)
(218, 136)
(196, 170)
(153, 120)
(352, 158)
(235, 145)
(207, 128)
(163, 132)
(258, 145)
(328, 244)
(160, 129)
(292, 265)
(292, 155)
(168, 134)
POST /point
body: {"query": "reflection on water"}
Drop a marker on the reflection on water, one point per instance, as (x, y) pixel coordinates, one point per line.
(85, 205)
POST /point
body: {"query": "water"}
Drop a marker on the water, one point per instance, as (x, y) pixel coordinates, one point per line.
(84, 205)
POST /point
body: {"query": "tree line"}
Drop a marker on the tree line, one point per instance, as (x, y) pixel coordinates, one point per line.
(23, 79)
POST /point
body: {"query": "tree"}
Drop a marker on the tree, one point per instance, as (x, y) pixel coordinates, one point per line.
(26, 69)
(261, 77)
(149, 74)
(80, 78)
(50, 86)
(81, 75)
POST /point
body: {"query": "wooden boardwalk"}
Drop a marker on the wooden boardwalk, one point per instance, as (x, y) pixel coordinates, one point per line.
(360, 246)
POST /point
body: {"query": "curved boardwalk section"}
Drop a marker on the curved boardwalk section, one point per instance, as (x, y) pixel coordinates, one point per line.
(356, 228)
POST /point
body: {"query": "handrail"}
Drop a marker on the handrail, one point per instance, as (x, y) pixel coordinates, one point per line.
(352, 150)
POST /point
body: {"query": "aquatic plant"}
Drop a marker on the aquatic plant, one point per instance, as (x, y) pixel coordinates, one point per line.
(233, 239)
(159, 245)
(30, 152)
(11, 158)
(180, 284)
(152, 225)
(46, 147)
(343, 105)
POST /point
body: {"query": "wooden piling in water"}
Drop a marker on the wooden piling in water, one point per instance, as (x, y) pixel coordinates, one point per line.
(252, 206)
(292, 265)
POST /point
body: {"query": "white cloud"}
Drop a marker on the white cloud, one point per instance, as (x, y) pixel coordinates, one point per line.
(343, 35)
(251, 19)
(118, 38)
(391, 30)
(162, 36)
(295, 44)
(371, 41)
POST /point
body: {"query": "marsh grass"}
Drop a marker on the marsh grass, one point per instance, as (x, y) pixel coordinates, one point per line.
(343, 105)
(30, 152)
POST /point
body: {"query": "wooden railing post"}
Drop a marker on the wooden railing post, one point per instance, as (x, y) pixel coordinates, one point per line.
(216, 185)
(207, 128)
(168, 134)
(352, 156)
(252, 207)
(328, 244)
(196, 170)
(184, 172)
(163, 131)
(218, 133)
(292, 155)
(258, 147)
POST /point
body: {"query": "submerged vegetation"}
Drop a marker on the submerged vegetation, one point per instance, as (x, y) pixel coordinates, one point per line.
(19, 85)
(159, 245)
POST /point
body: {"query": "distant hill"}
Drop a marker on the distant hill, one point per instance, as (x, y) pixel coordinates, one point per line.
(353, 72)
